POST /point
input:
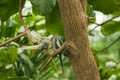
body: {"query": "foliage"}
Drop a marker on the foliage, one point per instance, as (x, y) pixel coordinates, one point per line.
(100, 5)
(109, 27)
(43, 6)
(44, 21)
(7, 9)
(7, 59)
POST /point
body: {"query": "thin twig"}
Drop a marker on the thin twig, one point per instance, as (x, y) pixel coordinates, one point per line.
(93, 28)
(24, 25)
(45, 65)
(26, 15)
(102, 23)
(12, 39)
(109, 45)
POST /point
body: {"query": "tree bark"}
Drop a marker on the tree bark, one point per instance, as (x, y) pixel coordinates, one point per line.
(73, 13)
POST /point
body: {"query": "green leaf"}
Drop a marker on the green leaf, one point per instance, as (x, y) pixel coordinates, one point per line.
(2, 76)
(0, 33)
(3, 57)
(110, 27)
(90, 12)
(54, 23)
(43, 7)
(24, 66)
(9, 28)
(13, 53)
(105, 6)
(8, 56)
(8, 8)
(26, 60)
(117, 1)
(32, 21)
(53, 66)
(117, 12)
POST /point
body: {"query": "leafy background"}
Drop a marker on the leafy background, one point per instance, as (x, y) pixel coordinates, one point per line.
(43, 19)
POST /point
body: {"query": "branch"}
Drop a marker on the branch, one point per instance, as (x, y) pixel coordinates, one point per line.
(102, 23)
(52, 54)
(56, 52)
(12, 39)
(24, 25)
(35, 47)
(20, 15)
(27, 31)
(109, 45)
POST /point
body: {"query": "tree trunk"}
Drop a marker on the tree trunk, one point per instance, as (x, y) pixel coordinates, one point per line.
(73, 13)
